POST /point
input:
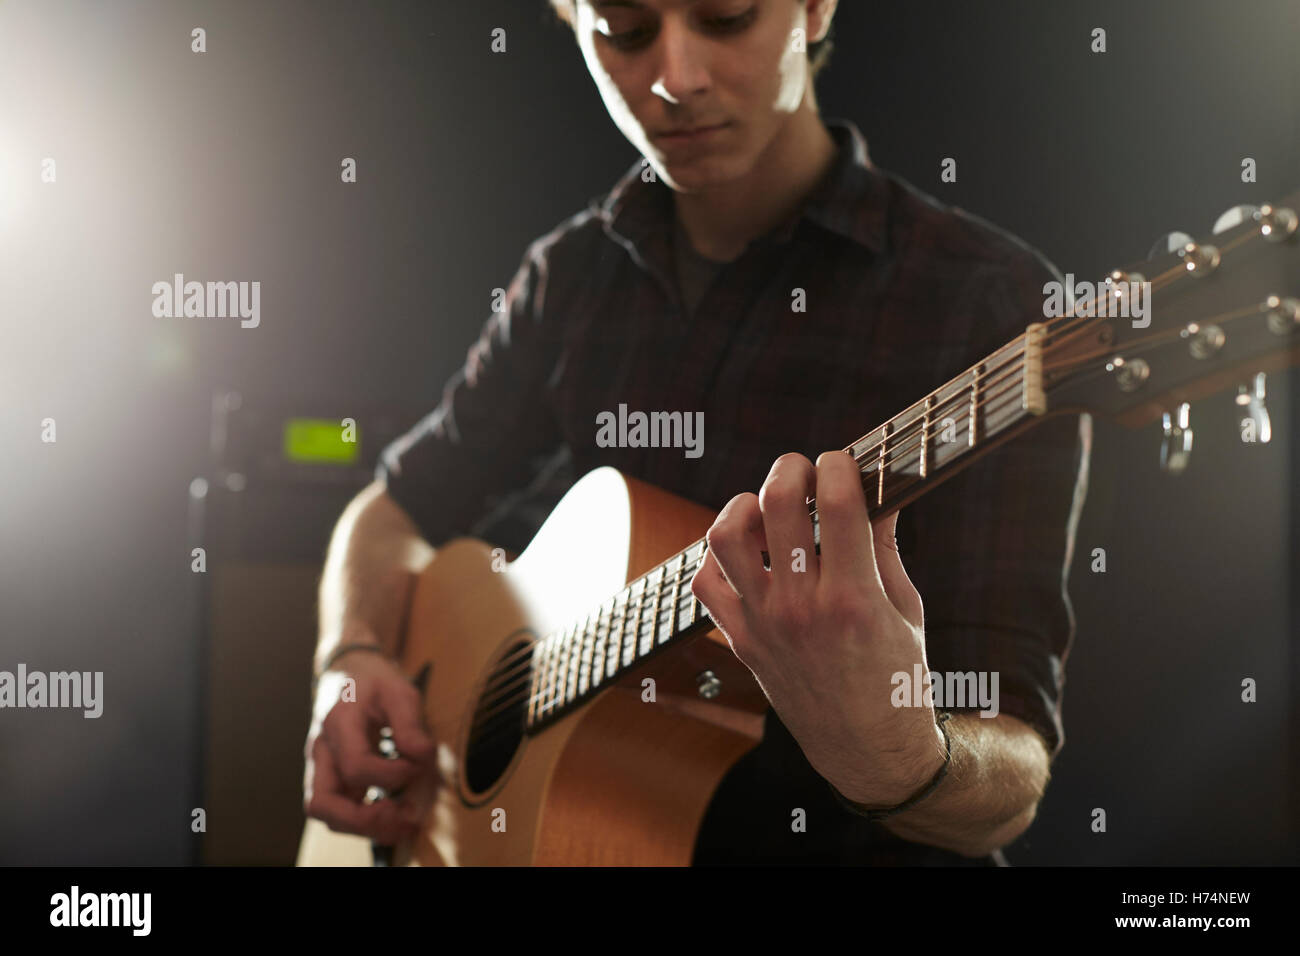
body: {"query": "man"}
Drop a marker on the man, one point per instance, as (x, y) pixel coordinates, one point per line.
(675, 292)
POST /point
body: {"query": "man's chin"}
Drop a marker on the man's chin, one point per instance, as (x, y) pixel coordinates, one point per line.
(695, 177)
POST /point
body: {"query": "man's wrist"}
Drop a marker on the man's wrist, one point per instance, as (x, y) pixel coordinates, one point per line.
(912, 792)
(353, 637)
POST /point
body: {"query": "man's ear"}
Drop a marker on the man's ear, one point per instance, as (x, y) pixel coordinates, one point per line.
(820, 15)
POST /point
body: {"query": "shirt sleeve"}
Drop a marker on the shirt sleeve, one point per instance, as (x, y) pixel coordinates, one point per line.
(494, 429)
(989, 550)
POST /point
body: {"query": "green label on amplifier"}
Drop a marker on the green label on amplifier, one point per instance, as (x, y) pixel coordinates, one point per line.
(321, 441)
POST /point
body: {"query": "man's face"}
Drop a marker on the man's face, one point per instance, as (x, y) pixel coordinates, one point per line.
(664, 65)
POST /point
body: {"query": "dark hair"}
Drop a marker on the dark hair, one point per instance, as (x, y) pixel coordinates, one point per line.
(818, 53)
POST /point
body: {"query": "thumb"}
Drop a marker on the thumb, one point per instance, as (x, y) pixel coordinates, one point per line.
(402, 705)
(898, 586)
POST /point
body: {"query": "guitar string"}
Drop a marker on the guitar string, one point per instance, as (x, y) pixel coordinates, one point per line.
(894, 456)
(594, 653)
(636, 605)
(569, 666)
(568, 669)
(1011, 362)
(988, 397)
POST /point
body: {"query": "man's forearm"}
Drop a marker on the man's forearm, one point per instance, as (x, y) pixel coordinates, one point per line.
(990, 794)
(374, 553)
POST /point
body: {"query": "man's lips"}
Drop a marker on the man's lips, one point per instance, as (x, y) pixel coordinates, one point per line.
(692, 130)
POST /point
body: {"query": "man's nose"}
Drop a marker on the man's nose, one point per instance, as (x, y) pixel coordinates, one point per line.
(683, 61)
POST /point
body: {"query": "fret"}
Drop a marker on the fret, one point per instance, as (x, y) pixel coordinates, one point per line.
(557, 672)
(646, 628)
(576, 682)
(972, 426)
(951, 408)
(552, 690)
(603, 621)
(690, 564)
(696, 606)
(885, 431)
(548, 676)
(685, 614)
(584, 666)
(588, 649)
(630, 634)
(534, 682)
(1003, 390)
(539, 665)
(1034, 400)
(566, 652)
(925, 435)
(668, 620)
(616, 632)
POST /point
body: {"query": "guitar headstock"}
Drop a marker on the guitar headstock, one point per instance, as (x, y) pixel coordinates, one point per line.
(1198, 318)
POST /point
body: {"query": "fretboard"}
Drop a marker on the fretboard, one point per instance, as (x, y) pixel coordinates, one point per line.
(904, 457)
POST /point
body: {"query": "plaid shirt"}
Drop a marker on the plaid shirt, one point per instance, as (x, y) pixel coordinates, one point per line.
(902, 293)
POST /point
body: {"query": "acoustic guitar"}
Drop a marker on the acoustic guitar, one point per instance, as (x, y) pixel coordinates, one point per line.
(585, 707)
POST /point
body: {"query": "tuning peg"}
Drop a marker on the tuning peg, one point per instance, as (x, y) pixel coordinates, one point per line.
(1234, 217)
(1169, 242)
(1203, 340)
(1198, 258)
(1252, 398)
(1130, 374)
(1176, 445)
(1276, 224)
(1282, 315)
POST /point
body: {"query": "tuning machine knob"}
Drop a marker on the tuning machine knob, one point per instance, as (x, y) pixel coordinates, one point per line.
(1198, 258)
(1203, 340)
(1234, 217)
(1130, 374)
(1176, 444)
(1252, 398)
(1283, 315)
(1169, 242)
(1275, 224)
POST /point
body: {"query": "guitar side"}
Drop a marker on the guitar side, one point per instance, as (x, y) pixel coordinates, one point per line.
(619, 780)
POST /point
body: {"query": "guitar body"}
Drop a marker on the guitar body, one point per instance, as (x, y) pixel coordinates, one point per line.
(619, 780)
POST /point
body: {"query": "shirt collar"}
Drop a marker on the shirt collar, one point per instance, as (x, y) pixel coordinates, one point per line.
(849, 200)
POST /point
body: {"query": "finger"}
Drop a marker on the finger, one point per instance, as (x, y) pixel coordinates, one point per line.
(898, 586)
(403, 712)
(384, 820)
(783, 500)
(358, 764)
(737, 542)
(848, 553)
(712, 590)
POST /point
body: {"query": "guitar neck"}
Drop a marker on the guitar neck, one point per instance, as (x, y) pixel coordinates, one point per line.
(1207, 331)
(900, 460)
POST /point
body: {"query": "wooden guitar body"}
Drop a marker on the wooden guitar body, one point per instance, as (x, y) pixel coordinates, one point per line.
(618, 780)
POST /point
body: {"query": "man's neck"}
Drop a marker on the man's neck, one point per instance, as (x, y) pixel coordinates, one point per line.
(723, 220)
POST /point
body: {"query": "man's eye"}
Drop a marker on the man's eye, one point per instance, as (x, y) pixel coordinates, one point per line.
(732, 24)
(631, 39)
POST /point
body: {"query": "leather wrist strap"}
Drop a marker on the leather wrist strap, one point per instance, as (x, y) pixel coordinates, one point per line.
(911, 801)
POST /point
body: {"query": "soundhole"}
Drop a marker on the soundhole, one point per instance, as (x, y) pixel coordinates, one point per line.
(497, 728)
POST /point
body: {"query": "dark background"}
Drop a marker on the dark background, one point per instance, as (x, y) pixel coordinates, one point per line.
(226, 166)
